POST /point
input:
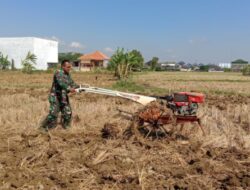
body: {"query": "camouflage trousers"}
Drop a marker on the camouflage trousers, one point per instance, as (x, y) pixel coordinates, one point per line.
(58, 104)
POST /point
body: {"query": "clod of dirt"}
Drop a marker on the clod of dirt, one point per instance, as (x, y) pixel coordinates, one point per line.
(110, 131)
(222, 106)
(128, 133)
(246, 127)
(120, 178)
(51, 152)
(76, 119)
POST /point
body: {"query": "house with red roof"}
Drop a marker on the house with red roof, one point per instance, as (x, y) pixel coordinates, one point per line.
(93, 60)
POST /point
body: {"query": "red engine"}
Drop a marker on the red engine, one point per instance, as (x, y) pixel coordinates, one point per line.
(185, 103)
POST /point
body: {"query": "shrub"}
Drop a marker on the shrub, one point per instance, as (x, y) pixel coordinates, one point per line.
(28, 63)
(246, 70)
(4, 62)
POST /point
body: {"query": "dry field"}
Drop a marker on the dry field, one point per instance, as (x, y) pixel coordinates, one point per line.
(81, 158)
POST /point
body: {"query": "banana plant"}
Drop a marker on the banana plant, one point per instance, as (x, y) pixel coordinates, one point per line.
(122, 63)
(4, 62)
(29, 62)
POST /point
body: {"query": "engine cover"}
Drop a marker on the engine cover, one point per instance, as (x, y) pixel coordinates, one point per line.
(189, 97)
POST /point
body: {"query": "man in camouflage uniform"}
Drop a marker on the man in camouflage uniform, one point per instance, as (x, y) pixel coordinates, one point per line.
(58, 98)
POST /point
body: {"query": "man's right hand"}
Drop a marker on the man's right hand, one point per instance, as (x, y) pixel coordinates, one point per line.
(72, 90)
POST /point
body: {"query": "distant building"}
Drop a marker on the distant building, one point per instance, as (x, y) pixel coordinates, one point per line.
(225, 65)
(16, 49)
(169, 66)
(185, 69)
(93, 60)
(215, 68)
(238, 65)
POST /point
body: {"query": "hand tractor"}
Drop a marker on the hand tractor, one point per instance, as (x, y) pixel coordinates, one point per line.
(178, 108)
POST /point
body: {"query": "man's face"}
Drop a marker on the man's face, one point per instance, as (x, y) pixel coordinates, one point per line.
(66, 67)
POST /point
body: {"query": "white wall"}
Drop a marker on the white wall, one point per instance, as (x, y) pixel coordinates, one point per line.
(225, 65)
(105, 63)
(17, 49)
(46, 52)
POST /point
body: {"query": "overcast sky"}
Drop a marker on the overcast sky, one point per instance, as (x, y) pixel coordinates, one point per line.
(206, 31)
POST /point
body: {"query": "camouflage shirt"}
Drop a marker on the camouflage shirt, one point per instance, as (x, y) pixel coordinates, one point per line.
(62, 82)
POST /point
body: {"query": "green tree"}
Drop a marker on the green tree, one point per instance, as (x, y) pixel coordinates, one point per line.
(71, 56)
(239, 61)
(181, 63)
(4, 62)
(154, 63)
(139, 58)
(29, 62)
(204, 68)
(123, 62)
(246, 70)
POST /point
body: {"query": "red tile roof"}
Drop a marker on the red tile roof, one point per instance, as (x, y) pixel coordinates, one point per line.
(99, 56)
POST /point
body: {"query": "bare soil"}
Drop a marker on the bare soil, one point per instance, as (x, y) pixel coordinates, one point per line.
(95, 154)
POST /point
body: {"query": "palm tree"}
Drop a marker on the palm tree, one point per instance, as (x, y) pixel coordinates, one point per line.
(29, 62)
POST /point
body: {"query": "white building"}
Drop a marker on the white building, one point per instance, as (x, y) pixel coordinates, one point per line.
(169, 65)
(225, 65)
(16, 49)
